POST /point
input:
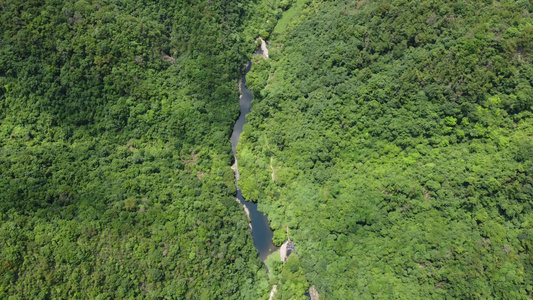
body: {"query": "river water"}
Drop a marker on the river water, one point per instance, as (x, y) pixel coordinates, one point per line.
(261, 232)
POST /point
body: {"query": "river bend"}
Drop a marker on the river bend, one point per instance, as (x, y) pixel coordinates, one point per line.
(261, 232)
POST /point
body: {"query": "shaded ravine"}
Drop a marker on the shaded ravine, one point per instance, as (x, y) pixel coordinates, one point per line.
(261, 232)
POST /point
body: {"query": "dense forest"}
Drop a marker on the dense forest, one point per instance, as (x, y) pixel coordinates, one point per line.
(391, 140)
(394, 140)
(115, 118)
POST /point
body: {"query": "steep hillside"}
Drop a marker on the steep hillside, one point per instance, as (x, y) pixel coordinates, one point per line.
(115, 118)
(394, 139)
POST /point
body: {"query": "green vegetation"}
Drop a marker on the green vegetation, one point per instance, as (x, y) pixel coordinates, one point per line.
(115, 119)
(288, 276)
(272, 262)
(394, 138)
(290, 16)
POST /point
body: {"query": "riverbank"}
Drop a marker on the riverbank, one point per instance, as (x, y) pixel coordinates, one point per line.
(260, 227)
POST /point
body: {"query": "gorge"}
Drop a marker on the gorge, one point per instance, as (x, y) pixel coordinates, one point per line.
(261, 232)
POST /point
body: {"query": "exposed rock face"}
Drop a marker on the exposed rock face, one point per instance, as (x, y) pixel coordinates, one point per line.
(235, 169)
(290, 249)
(313, 293)
(264, 48)
(246, 210)
(283, 251)
(286, 249)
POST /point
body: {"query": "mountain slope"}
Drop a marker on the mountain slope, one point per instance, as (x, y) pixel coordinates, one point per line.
(394, 139)
(114, 150)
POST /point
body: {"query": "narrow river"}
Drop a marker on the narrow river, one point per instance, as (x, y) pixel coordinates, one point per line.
(261, 232)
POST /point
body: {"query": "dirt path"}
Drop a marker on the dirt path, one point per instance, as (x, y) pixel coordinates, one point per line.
(273, 292)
